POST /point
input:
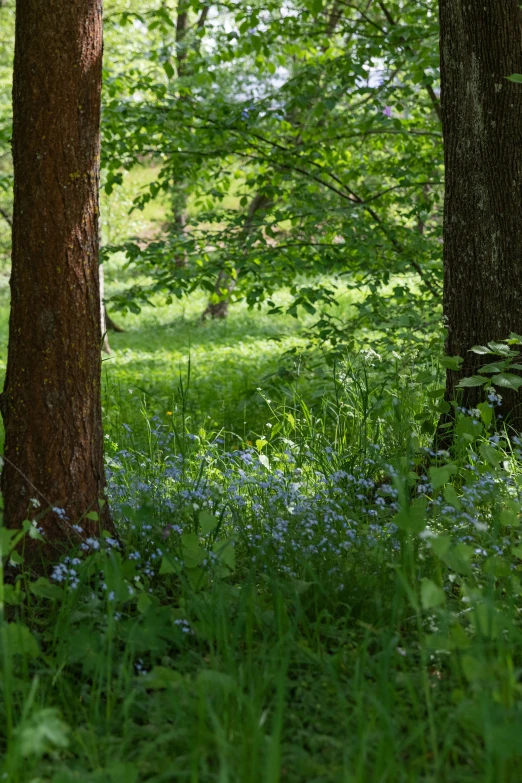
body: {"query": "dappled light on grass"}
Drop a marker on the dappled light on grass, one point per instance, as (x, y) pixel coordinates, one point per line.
(331, 592)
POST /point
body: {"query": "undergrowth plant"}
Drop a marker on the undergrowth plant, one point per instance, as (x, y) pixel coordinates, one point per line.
(333, 601)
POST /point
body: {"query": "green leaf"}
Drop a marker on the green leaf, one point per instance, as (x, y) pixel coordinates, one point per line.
(507, 381)
(496, 566)
(431, 594)
(12, 595)
(441, 545)
(42, 733)
(490, 454)
(509, 517)
(413, 518)
(501, 349)
(43, 588)
(193, 552)
(515, 77)
(207, 522)
(19, 640)
(92, 515)
(441, 476)
(451, 497)
(451, 362)
(169, 70)
(161, 677)
(486, 413)
(473, 380)
(226, 553)
(169, 566)
(481, 350)
(458, 558)
(144, 603)
(494, 367)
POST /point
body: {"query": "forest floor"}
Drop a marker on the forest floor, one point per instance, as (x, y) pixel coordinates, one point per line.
(297, 595)
(302, 592)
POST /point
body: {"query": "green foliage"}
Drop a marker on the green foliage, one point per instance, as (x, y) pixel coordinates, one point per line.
(259, 618)
(327, 120)
(497, 373)
(304, 589)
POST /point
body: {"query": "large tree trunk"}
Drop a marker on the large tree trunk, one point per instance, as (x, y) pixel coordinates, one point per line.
(51, 402)
(481, 44)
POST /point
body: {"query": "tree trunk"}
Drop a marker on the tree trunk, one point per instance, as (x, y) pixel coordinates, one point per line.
(51, 401)
(481, 44)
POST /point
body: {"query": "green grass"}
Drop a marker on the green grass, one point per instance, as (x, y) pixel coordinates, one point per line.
(291, 632)
(305, 594)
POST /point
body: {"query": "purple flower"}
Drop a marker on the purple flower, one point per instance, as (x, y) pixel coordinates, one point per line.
(387, 111)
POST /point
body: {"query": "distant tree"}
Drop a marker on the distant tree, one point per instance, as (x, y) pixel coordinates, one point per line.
(481, 45)
(51, 401)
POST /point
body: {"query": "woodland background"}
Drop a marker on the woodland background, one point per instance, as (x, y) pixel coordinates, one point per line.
(305, 586)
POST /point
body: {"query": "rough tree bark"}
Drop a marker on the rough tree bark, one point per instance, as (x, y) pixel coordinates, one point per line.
(481, 44)
(51, 401)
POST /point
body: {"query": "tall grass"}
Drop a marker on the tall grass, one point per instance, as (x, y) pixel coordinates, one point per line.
(329, 602)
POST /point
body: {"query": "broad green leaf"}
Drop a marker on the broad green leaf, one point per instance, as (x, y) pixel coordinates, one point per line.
(13, 596)
(494, 367)
(161, 677)
(473, 380)
(6, 540)
(226, 553)
(501, 349)
(43, 588)
(441, 476)
(451, 497)
(486, 413)
(496, 566)
(19, 640)
(441, 545)
(458, 558)
(490, 454)
(451, 362)
(515, 77)
(413, 518)
(193, 552)
(207, 522)
(144, 603)
(431, 594)
(42, 733)
(507, 381)
(169, 566)
(482, 350)
(509, 517)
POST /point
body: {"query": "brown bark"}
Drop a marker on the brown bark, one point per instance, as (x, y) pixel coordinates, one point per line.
(51, 401)
(481, 44)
